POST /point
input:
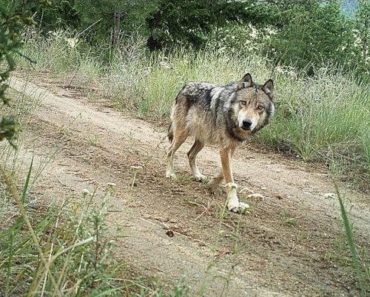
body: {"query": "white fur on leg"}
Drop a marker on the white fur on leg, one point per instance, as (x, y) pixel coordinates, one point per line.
(170, 172)
(198, 175)
(233, 203)
(232, 198)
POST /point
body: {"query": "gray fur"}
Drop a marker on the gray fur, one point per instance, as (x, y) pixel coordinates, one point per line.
(223, 115)
(210, 111)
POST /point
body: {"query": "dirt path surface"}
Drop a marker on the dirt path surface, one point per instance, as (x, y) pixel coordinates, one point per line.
(289, 244)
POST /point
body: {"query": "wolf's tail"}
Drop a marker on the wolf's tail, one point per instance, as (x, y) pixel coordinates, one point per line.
(170, 133)
(170, 128)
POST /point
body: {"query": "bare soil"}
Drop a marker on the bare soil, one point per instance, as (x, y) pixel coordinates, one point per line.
(290, 243)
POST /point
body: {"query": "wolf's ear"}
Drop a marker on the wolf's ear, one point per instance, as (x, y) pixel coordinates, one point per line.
(246, 81)
(268, 88)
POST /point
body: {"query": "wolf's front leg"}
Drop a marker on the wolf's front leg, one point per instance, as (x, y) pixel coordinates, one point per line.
(233, 203)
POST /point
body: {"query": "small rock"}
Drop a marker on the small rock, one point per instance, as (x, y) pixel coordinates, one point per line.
(33, 204)
(223, 252)
(85, 192)
(170, 233)
(330, 195)
(256, 196)
(246, 189)
(137, 167)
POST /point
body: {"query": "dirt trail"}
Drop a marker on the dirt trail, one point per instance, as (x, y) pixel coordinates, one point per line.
(288, 245)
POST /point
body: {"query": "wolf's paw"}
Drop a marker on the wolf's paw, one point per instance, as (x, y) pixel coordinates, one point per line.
(171, 175)
(201, 178)
(239, 207)
(233, 203)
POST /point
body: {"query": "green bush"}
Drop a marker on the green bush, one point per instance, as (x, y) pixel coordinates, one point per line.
(12, 22)
(313, 34)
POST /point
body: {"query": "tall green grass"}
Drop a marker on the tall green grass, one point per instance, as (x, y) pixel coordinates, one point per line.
(327, 114)
(159, 78)
(53, 252)
(54, 53)
(63, 250)
(58, 249)
(361, 268)
(317, 118)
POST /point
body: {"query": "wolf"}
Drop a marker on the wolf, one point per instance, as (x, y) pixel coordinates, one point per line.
(221, 115)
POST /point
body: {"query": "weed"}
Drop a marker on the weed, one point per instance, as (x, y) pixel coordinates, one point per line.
(361, 267)
(94, 140)
(288, 220)
(72, 252)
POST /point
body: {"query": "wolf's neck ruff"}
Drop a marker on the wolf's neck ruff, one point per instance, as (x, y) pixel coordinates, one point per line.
(231, 127)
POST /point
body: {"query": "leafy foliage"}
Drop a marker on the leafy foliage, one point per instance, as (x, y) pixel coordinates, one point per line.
(105, 16)
(11, 22)
(187, 23)
(313, 34)
(302, 34)
(361, 58)
(59, 14)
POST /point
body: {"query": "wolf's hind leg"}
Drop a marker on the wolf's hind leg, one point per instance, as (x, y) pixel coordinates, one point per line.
(216, 181)
(192, 154)
(179, 137)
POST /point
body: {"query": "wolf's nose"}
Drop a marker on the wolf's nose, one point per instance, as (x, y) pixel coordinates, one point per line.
(246, 124)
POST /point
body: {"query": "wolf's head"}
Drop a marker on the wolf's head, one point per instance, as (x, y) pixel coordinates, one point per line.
(252, 106)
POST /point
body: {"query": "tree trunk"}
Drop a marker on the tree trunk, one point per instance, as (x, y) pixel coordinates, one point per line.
(116, 28)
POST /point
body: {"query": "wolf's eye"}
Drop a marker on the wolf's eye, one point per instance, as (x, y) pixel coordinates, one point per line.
(260, 107)
(243, 103)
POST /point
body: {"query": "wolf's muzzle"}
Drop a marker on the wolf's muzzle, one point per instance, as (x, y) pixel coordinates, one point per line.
(246, 124)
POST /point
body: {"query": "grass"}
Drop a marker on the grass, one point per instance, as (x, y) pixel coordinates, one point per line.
(288, 220)
(323, 118)
(360, 264)
(318, 118)
(60, 249)
(56, 252)
(63, 250)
